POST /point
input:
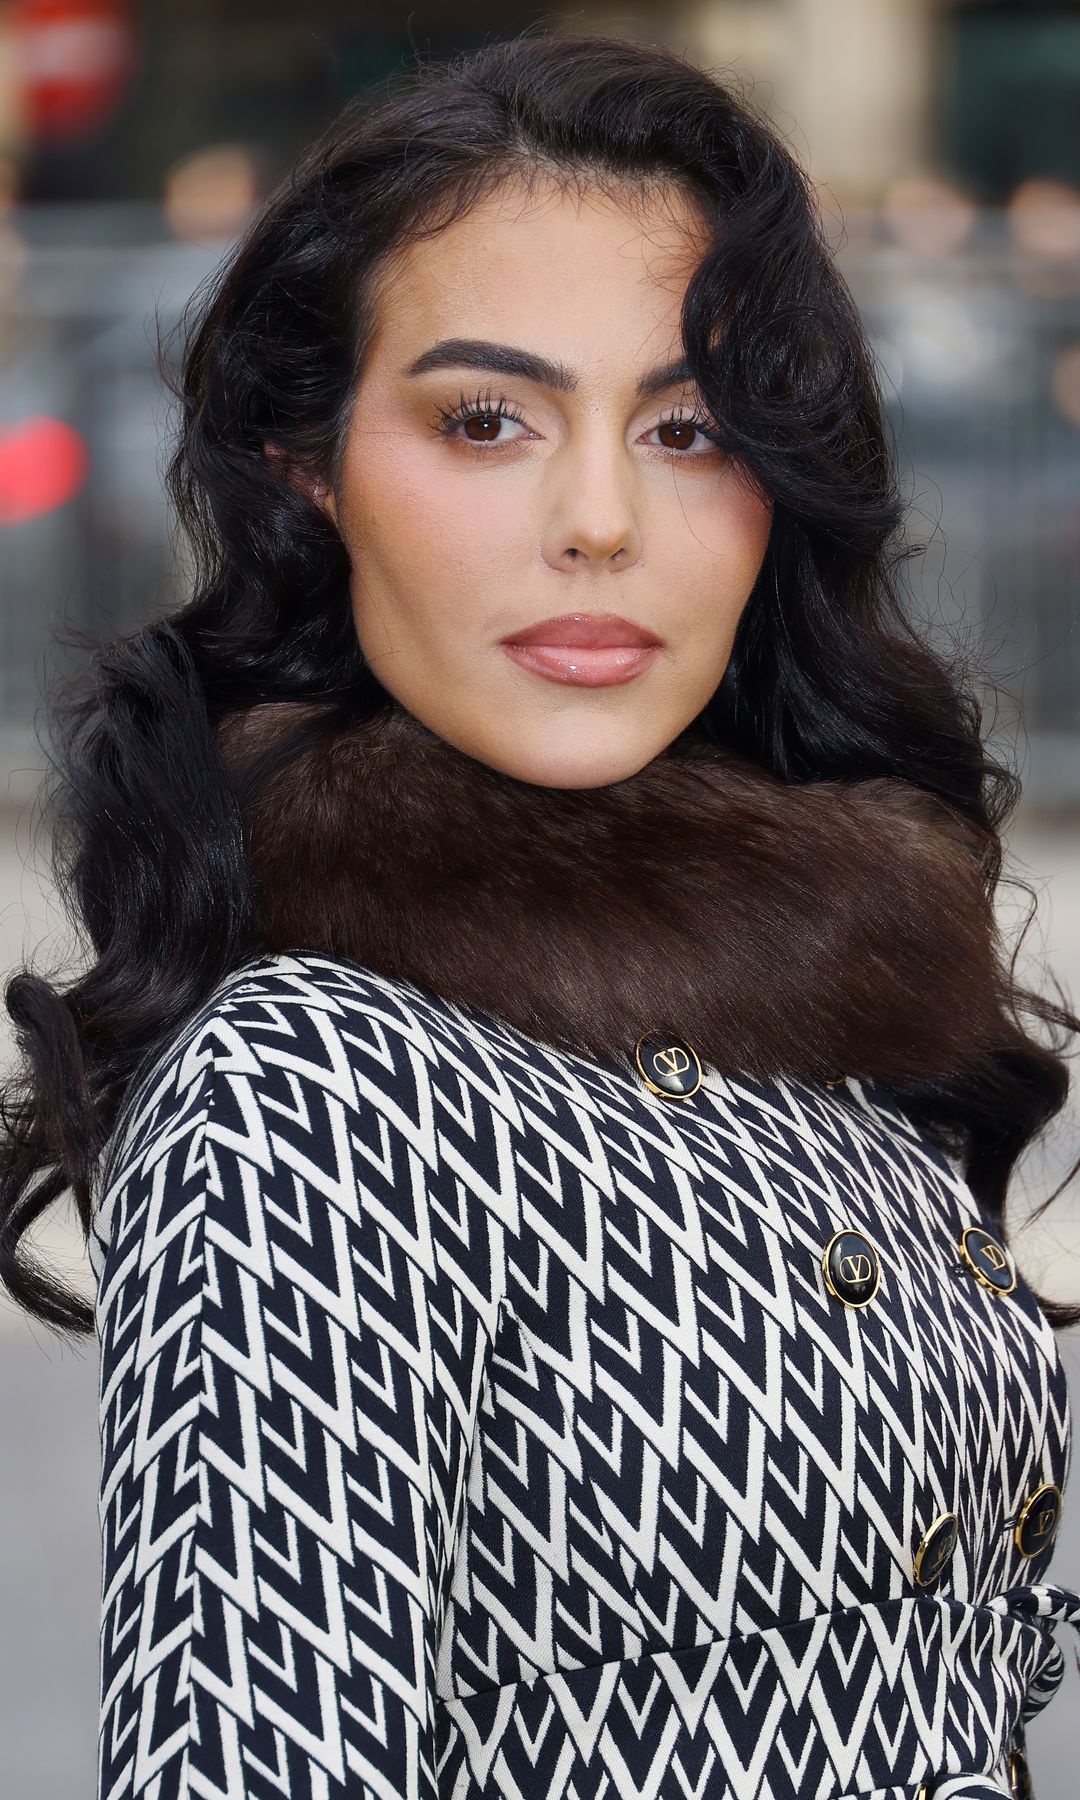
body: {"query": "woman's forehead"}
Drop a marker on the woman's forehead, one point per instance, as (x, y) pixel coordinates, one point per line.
(543, 277)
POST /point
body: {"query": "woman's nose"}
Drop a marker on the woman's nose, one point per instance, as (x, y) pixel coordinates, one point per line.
(594, 513)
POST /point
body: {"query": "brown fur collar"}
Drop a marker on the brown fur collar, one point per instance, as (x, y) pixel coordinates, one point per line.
(807, 930)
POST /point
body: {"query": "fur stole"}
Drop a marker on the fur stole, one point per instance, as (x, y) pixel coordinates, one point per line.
(809, 930)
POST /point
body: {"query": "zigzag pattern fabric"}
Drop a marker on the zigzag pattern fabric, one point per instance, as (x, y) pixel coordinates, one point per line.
(476, 1421)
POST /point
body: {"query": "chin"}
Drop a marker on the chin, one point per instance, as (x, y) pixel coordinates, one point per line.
(560, 756)
(573, 745)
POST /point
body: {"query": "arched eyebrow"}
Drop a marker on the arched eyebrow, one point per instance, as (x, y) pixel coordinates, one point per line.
(528, 365)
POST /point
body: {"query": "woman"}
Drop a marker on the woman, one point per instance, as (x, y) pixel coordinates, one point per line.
(543, 1104)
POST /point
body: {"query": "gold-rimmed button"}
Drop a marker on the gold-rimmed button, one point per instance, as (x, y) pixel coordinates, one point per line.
(668, 1066)
(851, 1267)
(923, 1792)
(1037, 1520)
(935, 1548)
(988, 1260)
(1019, 1775)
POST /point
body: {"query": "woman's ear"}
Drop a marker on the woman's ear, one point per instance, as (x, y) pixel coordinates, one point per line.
(312, 486)
(323, 495)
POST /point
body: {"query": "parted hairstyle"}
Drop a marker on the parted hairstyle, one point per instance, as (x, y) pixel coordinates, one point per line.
(829, 676)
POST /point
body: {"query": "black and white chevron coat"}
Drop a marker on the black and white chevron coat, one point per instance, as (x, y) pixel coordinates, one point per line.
(475, 1421)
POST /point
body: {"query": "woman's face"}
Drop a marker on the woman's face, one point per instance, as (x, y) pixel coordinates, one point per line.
(567, 486)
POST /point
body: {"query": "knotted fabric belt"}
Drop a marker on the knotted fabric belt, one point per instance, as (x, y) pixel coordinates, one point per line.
(869, 1701)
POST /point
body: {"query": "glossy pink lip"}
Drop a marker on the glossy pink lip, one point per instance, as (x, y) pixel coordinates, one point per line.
(584, 631)
(603, 667)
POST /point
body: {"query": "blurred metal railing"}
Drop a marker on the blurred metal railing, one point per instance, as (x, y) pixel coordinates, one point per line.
(79, 288)
(979, 351)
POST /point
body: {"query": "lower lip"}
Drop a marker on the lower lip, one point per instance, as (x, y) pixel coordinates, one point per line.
(585, 668)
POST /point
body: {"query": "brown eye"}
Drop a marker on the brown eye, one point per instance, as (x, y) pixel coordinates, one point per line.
(477, 421)
(488, 427)
(681, 430)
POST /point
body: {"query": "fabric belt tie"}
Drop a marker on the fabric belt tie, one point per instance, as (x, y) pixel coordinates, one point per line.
(865, 1701)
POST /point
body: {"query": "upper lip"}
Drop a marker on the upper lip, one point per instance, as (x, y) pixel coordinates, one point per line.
(584, 631)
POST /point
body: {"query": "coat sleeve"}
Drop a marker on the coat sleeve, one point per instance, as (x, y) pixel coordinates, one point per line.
(292, 1343)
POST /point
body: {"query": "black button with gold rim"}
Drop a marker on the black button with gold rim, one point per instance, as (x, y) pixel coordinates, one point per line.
(668, 1066)
(851, 1267)
(1037, 1520)
(935, 1548)
(988, 1260)
(1019, 1775)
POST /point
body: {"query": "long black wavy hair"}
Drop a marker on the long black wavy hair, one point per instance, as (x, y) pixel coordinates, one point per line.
(828, 677)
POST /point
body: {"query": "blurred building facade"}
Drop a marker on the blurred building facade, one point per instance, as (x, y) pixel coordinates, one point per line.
(100, 98)
(134, 139)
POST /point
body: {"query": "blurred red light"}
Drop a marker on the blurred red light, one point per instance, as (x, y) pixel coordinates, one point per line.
(73, 60)
(43, 463)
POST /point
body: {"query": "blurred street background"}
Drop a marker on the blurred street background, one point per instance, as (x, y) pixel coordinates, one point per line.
(943, 137)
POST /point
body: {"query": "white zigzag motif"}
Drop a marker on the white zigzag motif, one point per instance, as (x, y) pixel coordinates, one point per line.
(476, 1421)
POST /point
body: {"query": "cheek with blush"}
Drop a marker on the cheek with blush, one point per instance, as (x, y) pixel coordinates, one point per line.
(458, 532)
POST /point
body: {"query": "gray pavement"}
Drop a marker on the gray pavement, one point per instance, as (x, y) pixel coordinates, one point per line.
(49, 1549)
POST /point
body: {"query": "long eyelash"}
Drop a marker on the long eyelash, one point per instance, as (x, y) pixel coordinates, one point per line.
(481, 405)
(685, 418)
